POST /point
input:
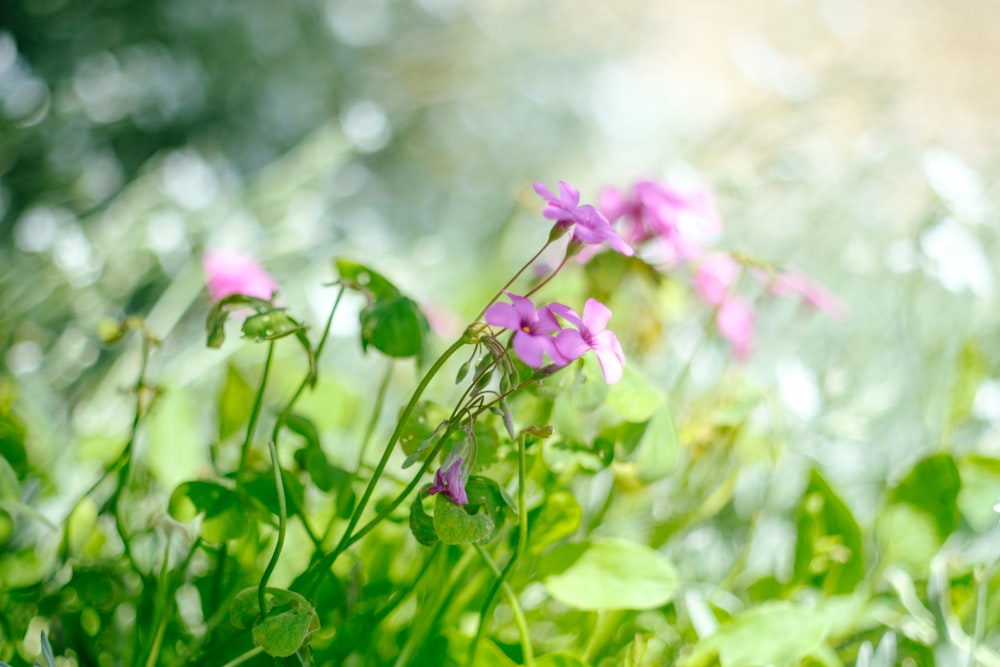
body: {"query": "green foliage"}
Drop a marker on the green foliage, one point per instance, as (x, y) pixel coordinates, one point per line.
(828, 544)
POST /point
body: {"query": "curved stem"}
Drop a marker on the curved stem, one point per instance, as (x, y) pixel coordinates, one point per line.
(511, 281)
(282, 520)
(549, 277)
(255, 412)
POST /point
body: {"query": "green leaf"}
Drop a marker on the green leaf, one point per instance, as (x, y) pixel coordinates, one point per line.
(245, 607)
(556, 520)
(560, 659)
(932, 487)
(235, 402)
(485, 495)
(215, 323)
(635, 398)
(906, 537)
(283, 634)
(305, 428)
(12, 435)
(394, 326)
(609, 574)
(454, 525)
(262, 489)
(422, 525)
(424, 421)
(970, 369)
(270, 325)
(828, 540)
(775, 633)
(980, 482)
(227, 512)
(372, 281)
(658, 448)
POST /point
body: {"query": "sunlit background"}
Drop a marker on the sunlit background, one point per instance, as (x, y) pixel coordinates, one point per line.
(853, 139)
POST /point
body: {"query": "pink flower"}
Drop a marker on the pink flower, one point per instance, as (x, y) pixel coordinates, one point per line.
(590, 334)
(230, 272)
(531, 329)
(811, 292)
(677, 220)
(450, 483)
(716, 274)
(589, 225)
(734, 320)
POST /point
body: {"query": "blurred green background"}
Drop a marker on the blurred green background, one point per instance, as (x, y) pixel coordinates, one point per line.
(855, 140)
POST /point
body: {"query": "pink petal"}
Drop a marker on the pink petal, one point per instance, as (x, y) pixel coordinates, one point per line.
(566, 313)
(735, 322)
(502, 315)
(229, 272)
(544, 192)
(525, 309)
(568, 194)
(596, 315)
(570, 344)
(611, 365)
(613, 204)
(528, 348)
(715, 276)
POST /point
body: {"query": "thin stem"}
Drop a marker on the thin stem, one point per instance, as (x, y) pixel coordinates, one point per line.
(401, 594)
(346, 540)
(240, 659)
(522, 530)
(519, 619)
(376, 412)
(511, 281)
(549, 277)
(255, 412)
(282, 520)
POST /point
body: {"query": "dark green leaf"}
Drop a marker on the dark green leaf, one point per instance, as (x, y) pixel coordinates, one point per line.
(304, 427)
(215, 324)
(422, 525)
(932, 487)
(372, 281)
(282, 634)
(394, 326)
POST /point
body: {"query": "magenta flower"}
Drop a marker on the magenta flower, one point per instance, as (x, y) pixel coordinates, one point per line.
(734, 320)
(532, 329)
(230, 272)
(716, 274)
(450, 483)
(811, 292)
(590, 334)
(589, 225)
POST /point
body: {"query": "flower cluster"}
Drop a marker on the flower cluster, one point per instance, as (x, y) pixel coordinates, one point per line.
(537, 333)
(673, 226)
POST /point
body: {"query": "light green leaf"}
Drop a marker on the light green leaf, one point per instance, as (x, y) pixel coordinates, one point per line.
(609, 574)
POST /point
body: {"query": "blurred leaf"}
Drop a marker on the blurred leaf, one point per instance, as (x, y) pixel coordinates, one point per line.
(454, 525)
(932, 487)
(425, 419)
(828, 540)
(245, 607)
(485, 495)
(215, 323)
(970, 369)
(561, 659)
(980, 477)
(372, 281)
(907, 537)
(562, 455)
(235, 403)
(262, 489)
(609, 574)
(282, 634)
(305, 428)
(556, 520)
(394, 326)
(635, 398)
(775, 633)
(227, 512)
(12, 434)
(658, 448)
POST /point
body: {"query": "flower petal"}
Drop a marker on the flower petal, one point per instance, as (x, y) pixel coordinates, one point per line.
(528, 348)
(596, 316)
(568, 194)
(570, 344)
(735, 322)
(502, 315)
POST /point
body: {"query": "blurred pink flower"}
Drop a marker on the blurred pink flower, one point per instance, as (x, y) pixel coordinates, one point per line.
(734, 320)
(590, 334)
(589, 225)
(716, 274)
(449, 482)
(532, 329)
(678, 220)
(811, 292)
(230, 272)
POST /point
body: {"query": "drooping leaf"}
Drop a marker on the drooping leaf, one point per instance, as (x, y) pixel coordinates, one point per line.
(828, 547)
(372, 281)
(609, 574)
(422, 525)
(395, 326)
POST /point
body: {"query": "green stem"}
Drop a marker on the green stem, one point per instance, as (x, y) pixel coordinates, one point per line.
(255, 412)
(282, 520)
(240, 659)
(401, 594)
(376, 412)
(346, 540)
(519, 619)
(511, 281)
(548, 277)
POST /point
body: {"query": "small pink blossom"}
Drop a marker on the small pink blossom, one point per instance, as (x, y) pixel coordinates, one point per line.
(589, 225)
(230, 272)
(735, 322)
(450, 483)
(591, 334)
(811, 292)
(716, 274)
(531, 327)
